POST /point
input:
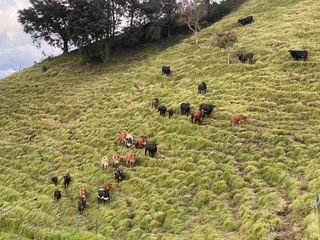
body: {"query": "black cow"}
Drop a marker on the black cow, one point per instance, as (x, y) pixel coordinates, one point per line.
(207, 108)
(151, 148)
(202, 88)
(166, 70)
(243, 58)
(170, 112)
(185, 108)
(66, 180)
(54, 180)
(246, 20)
(57, 195)
(81, 204)
(119, 175)
(162, 109)
(297, 55)
(103, 195)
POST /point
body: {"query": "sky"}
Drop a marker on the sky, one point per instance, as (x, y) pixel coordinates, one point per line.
(16, 48)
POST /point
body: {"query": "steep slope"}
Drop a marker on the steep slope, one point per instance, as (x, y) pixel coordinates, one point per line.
(252, 181)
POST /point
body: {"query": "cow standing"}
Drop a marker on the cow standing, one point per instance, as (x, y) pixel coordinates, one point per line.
(104, 162)
(151, 148)
(140, 142)
(237, 119)
(185, 108)
(57, 195)
(202, 88)
(54, 180)
(297, 55)
(119, 175)
(130, 159)
(243, 58)
(155, 102)
(197, 116)
(162, 110)
(206, 108)
(115, 159)
(166, 70)
(66, 180)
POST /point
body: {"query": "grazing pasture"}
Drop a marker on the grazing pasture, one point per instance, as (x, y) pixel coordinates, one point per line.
(254, 180)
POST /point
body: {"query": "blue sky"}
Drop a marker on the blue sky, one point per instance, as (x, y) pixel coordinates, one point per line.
(16, 48)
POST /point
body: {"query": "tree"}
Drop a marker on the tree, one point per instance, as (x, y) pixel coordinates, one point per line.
(225, 40)
(192, 11)
(169, 9)
(47, 20)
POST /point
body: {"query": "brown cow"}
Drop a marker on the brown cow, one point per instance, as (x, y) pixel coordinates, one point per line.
(140, 142)
(122, 137)
(197, 116)
(108, 186)
(155, 102)
(104, 162)
(237, 119)
(130, 159)
(115, 159)
(83, 192)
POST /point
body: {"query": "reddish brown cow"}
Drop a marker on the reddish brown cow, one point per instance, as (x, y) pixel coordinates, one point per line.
(130, 158)
(83, 192)
(237, 119)
(155, 102)
(108, 186)
(122, 137)
(140, 142)
(197, 116)
(115, 159)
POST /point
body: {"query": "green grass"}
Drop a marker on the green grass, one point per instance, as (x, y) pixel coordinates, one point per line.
(207, 182)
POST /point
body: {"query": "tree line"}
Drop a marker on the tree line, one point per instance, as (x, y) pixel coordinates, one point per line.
(95, 26)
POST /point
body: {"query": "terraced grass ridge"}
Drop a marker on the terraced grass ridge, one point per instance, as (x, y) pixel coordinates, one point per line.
(253, 181)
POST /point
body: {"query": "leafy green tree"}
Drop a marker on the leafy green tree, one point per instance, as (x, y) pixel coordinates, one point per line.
(47, 20)
(225, 40)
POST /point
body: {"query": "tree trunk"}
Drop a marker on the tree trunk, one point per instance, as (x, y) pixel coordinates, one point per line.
(113, 18)
(228, 55)
(196, 34)
(65, 46)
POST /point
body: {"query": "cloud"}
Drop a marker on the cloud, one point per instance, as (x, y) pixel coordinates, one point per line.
(16, 48)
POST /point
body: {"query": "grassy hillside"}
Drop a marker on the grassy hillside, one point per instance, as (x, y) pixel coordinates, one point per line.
(253, 181)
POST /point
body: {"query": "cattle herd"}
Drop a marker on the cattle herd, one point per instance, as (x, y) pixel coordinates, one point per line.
(126, 139)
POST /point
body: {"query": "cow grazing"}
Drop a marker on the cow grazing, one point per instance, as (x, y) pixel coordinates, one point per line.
(130, 159)
(185, 108)
(57, 195)
(122, 137)
(54, 180)
(104, 162)
(162, 110)
(197, 116)
(206, 108)
(166, 70)
(237, 119)
(246, 20)
(297, 55)
(243, 58)
(170, 113)
(140, 142)
(115, 159)
(81, 204)
(119, 175)
(129, 140)
(202, 88)
(66, 180)
(155, 102)
(151, 148)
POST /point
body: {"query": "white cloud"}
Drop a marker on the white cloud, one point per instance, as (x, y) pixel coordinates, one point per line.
(16, 48)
